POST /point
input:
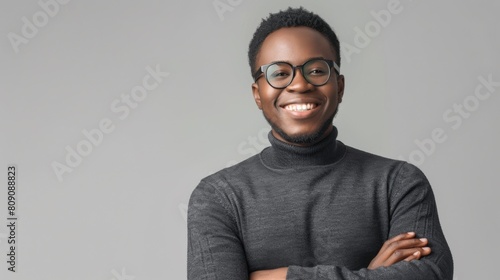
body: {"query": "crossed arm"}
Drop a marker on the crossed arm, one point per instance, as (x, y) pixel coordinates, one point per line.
(215, 252)
(403, 247)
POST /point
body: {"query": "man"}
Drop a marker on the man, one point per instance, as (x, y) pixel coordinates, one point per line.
(310, 207)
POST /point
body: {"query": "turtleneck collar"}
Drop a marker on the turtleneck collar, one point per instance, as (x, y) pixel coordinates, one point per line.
(282, 155)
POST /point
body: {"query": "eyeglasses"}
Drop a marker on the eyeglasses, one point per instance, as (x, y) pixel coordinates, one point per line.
(279, 75)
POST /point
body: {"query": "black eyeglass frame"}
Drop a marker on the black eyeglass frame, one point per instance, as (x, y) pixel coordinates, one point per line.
(263, 69)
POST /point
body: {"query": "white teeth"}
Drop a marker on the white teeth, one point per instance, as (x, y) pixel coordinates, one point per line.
(300, 107)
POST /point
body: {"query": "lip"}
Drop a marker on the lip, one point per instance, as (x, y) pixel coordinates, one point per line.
(300, 115)
(302, 100)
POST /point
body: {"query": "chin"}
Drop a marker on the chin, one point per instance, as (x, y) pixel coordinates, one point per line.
(301, 134)
(301, 137)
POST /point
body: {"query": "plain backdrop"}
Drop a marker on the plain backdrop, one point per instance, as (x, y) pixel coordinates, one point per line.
(120, 213)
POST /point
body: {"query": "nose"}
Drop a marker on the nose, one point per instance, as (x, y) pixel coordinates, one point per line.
(299, 84)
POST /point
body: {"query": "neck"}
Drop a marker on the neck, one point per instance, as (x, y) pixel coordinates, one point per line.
(283, 155)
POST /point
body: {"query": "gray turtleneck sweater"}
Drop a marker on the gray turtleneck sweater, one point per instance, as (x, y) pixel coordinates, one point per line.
(323, 211)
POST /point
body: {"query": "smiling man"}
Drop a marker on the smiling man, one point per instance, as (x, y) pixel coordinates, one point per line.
(310, 207)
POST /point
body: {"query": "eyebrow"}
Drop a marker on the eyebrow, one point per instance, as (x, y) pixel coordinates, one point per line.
(286, 61)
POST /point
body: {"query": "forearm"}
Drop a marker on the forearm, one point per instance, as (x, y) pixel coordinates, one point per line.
(414, 270)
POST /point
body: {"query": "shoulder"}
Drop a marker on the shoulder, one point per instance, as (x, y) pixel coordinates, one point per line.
(370, 161)
(364, 156)
(397, 171)
(222, 182)
(220, 178)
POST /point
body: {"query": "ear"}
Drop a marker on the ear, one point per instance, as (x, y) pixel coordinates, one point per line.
(256, 95)
(340, 86)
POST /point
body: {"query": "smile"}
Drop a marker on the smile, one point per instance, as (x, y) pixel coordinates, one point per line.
(301, 111)
(300, 107)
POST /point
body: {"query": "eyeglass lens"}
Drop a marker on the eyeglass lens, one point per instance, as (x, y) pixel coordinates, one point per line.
(280, 75)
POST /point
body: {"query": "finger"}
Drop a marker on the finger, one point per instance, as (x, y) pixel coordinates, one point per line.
(409, 243)
(402, 254)
(425, 251)
(398, 237)
(403, 244)
(421, 252)
(414, 256)
(406, 244)
(418, 254)
(397, 247)
(408, 254)
(384, 251)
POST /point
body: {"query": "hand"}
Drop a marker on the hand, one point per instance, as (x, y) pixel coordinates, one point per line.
(401, 247)
(270, 274)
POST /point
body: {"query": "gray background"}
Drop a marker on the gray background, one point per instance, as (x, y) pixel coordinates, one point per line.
(120, 213)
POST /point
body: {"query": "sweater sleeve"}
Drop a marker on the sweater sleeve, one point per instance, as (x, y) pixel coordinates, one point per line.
(412, 208)
(215, 251)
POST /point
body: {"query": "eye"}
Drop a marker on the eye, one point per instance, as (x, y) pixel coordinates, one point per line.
(279, 74)
(276, 74)
(279, 71)
(317, 72)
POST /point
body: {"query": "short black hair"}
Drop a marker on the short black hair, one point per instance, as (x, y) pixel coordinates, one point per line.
(292, 17)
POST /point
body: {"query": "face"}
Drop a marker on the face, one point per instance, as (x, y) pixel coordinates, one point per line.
(284, 109)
